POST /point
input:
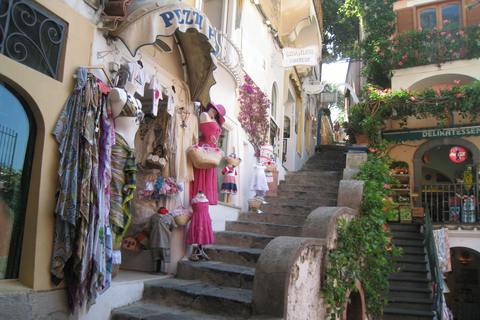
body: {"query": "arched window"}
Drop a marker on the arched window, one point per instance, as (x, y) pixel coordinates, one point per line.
(17, 137)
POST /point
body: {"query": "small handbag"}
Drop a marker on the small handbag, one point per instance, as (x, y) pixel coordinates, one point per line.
(181, 216)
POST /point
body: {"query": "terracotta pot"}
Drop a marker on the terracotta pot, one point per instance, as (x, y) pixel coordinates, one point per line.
(361, 138)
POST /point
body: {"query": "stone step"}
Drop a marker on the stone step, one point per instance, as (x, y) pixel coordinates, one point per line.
(410, 303)
(406, 314)
(143, 310)
(289, 209)
(411, 273)
(320, 201)
(269, 229)
(313, 176)
(242, 239)
(195, 295)
(403, 282)
(417, 293)
(307, 194)
(405, 227)
(246, 257)
(419, 256)
(401, 242)
(330, 186)
(275, 218)
(412, 264)
(216, 273)
(418, 248)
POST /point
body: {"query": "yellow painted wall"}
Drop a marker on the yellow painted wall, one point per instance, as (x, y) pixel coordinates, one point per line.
(46, 97)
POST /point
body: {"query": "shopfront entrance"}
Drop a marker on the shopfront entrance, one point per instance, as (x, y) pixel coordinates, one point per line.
(447, 171)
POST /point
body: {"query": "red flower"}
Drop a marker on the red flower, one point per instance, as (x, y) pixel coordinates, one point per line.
(400, 63)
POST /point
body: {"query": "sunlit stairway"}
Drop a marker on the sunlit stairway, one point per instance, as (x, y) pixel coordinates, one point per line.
(410, 294)
(222, 288)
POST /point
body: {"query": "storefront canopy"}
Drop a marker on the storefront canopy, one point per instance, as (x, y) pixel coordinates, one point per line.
(147, 20)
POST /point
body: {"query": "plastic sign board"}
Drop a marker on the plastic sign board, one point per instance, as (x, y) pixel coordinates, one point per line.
(458, 154)
(306, 56)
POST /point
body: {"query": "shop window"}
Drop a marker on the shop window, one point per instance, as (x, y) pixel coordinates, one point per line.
(274, 102)
(222, 143)
(445, 15)
(32, 36)
(286, 127)
(16, 154)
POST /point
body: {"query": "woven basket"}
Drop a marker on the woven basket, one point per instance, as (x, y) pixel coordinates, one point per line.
(205, 158)
(232, 161)
(181, 219)
(270, 167)
(254, 204)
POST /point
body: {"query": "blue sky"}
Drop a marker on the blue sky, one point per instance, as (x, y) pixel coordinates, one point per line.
(12, 116)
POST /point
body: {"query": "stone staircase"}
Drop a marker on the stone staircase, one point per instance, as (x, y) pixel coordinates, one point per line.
(222, 288)
(410, 294)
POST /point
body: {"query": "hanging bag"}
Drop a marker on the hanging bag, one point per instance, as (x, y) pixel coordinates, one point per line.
(181, 216)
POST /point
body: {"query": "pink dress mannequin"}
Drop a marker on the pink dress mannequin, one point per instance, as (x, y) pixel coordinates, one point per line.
(206, 179)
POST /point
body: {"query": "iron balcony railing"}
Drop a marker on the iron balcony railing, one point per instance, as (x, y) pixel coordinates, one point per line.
(229, 55)
(452, 203)
(423, 47)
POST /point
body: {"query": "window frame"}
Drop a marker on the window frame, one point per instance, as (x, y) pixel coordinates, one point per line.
(438, 10)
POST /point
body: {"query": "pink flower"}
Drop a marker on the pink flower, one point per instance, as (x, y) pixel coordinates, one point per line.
(445, 21)
(428, 37)
(455, 53)
(412, 98)
(385, 2)
(458, 95)
(456, 81)
(377, 48)
(400, 63)
(385, 185)
(443, 33)
(382, 54)
(420, 28)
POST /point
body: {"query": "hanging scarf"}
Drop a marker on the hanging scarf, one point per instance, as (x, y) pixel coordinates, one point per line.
(124, 170)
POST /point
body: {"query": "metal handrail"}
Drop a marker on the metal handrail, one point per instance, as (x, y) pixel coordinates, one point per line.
(442, 198)
(436, 273)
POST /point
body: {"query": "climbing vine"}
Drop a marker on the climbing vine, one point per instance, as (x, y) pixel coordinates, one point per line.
(253, 115)
(363, 247)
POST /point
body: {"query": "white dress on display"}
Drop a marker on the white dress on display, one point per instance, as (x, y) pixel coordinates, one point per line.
(259, 179)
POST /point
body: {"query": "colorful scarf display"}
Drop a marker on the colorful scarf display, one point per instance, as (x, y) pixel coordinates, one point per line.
(82, 245)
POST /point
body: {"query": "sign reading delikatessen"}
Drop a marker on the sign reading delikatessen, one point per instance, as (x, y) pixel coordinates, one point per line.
(436, 133)
(306, 56)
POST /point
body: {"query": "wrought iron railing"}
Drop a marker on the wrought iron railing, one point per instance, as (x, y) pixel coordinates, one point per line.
(8, 143)
(423, 47)
(229, 55)
(435, 272)
(453, 203)
(32, 36)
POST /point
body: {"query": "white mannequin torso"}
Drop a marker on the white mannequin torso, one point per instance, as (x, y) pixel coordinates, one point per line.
(127, 127)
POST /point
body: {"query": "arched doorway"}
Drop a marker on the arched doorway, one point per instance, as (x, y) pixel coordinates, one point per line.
(461, 286)
(16, 154)
(436, 175)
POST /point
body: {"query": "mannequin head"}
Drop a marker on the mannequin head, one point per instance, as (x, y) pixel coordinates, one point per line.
(217, 111)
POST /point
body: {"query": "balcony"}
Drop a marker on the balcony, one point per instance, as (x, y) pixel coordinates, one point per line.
(424, 47)
(229, 55)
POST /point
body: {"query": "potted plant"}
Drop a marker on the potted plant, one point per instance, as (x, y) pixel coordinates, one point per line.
(405, 215)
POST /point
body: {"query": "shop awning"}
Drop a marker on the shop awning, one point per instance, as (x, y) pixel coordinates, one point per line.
(147, 20)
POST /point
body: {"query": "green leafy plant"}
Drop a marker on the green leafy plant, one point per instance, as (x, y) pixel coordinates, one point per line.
(253, 115)
(381, 105)
(363, 247)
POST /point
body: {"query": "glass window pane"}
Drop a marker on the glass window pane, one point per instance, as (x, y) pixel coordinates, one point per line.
(451, 16)
(428, 19)
(214, 11)
(13, 147)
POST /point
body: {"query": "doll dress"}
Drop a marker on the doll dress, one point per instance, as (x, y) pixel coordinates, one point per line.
(259, 179)
(229, 185)
(200, 230)
(206, 179)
